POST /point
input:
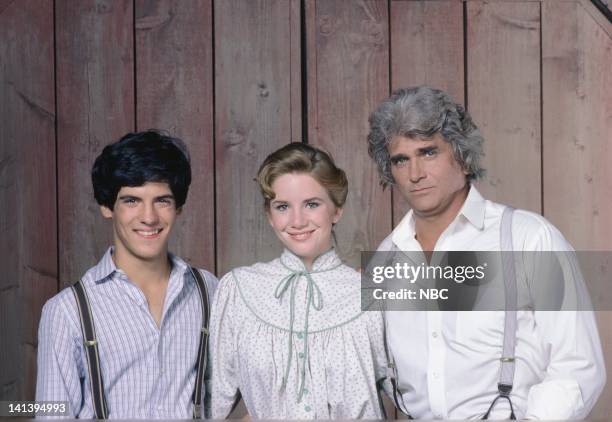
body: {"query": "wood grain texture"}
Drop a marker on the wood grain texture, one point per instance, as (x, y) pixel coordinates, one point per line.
(577, 142)
(349, 72)
(577, 126)
(426, 49)
(253, 115)
(295, 74)
(174, 81)
(503, 54)
(28, 222)
(95, 98)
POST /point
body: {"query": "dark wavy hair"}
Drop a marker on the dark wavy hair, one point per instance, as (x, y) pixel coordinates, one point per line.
(138, 158)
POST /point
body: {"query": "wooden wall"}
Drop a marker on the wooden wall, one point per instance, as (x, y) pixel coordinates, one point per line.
(238, 78)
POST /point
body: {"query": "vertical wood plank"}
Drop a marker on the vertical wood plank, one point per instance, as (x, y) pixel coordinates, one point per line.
(577, 125)
(577, 141)
(426, 48)
(95, 104)
(348, 59)
(28, 220)
(174, 80)
(253, 116)
(503, 53)
(295, 86)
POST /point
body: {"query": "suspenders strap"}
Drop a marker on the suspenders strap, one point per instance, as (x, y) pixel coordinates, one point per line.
(91, 351)
(202, 350)
(506, 377)
(506, 373)
(93, 358)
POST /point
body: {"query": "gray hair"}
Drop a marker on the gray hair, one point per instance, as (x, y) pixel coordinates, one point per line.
(421, 112)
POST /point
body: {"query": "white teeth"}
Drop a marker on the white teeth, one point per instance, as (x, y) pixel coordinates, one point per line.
(301, 236)
(150, 232)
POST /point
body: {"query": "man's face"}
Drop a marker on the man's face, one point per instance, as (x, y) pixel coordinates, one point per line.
(427, 175)
(143, 217)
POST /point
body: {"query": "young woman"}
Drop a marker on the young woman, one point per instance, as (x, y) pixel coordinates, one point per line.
(289, 335)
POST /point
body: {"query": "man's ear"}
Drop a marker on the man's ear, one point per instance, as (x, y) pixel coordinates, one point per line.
(179, 210)
(106, 212)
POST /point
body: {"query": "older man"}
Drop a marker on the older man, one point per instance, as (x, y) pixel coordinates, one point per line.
(447, 364)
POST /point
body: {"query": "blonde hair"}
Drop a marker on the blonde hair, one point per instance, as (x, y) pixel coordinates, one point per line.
(298, 157)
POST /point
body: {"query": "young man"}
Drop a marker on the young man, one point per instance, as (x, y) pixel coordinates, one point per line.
(145, 304)
(448, 363)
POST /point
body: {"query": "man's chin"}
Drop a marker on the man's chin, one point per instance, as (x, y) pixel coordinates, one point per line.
(148, 255)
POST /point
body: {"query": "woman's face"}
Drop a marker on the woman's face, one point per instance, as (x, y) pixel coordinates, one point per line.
(302, 214)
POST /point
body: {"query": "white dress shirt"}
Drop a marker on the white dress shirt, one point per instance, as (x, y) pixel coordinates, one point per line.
(148, 371)
(296, 343)
(448, 362)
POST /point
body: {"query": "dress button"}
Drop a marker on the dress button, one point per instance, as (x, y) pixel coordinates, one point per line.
(301, 355)
(305, 390)
(300, 335)
(307, 408)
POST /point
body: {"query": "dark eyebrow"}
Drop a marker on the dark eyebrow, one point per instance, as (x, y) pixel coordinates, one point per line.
(427, 149)
(396, 157)
(122, 197)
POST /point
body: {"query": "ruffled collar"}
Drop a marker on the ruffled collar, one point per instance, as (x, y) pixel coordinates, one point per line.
(327, 261)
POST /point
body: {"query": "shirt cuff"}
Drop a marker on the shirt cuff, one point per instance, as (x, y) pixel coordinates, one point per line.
(554, 400)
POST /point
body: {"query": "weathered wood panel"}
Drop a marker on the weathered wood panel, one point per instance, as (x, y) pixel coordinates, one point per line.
(28, 222)
(174, 92)
(577, 116)
(577, 141)
(426, 49)
(95, 106)
(348, 75)
(254, 68)
(503, 72)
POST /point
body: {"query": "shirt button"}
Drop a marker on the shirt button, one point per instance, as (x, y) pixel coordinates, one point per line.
(434, 334)
(307, 408)
(301, 355)
(435, 375)
(300, 335)
(305, 390)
